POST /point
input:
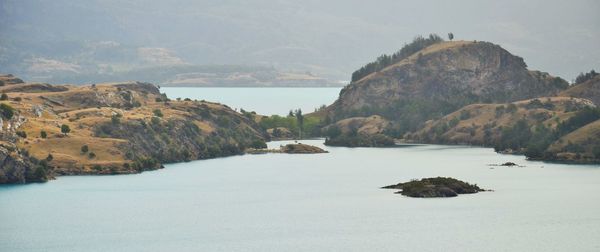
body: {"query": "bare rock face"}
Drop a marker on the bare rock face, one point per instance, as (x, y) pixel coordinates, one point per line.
(442, 78)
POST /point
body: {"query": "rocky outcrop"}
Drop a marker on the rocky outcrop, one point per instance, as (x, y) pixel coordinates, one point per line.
(439, 187)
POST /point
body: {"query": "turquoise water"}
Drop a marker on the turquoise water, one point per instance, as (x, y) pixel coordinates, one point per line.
(320, 202)
(265, 101)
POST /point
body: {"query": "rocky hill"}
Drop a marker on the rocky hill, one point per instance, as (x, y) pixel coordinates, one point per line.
(440, 79)
(113, 128)
(468, 93)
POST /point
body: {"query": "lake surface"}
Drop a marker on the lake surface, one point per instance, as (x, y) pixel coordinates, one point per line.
(265, 101)
(320, 202)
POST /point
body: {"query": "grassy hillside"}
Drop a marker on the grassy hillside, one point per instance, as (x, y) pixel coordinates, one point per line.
(115, 128)
(552, 128)
(589, 89)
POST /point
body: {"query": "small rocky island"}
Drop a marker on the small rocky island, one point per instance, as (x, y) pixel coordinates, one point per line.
(297, 148)
(434, 188)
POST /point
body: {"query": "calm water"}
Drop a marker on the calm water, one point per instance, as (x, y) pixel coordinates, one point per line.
(322, 202)
(265, 101)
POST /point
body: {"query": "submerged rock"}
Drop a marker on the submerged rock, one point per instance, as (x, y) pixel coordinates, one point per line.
(434, 187)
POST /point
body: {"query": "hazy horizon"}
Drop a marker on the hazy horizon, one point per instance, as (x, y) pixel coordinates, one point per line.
(329, 39)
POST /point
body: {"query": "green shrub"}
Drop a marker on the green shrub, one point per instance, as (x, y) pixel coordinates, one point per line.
(65, 129)
(511, 108)
(7, 111)
(22, 134)
(116, 119)
(84, 149)
(43, 134)
(158, 113)
(464, 115)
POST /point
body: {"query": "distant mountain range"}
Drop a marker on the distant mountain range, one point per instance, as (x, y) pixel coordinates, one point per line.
(63, 41)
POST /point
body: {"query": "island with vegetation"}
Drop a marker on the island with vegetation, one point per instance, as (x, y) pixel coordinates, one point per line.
(438, 187)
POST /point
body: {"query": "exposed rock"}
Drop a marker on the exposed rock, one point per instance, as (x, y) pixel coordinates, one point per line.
(435, 187)
(37, 110)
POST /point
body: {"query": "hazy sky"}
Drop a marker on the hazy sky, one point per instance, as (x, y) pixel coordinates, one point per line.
(329, 37)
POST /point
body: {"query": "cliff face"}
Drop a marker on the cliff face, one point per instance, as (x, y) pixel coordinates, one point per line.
(114, 128)
(442, 78)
